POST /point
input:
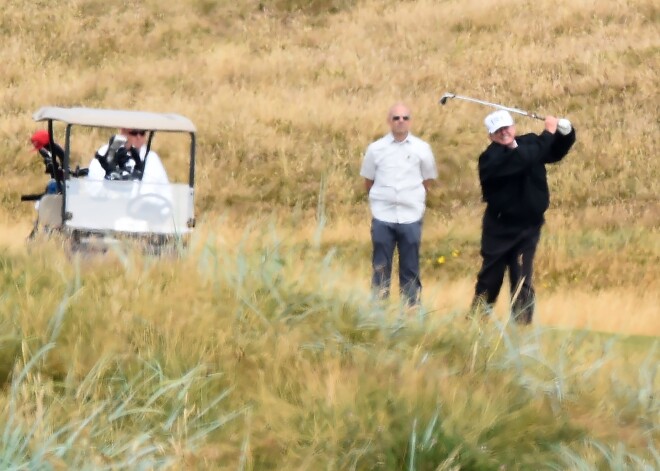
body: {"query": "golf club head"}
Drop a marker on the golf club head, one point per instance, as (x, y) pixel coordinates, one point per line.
(445, 97)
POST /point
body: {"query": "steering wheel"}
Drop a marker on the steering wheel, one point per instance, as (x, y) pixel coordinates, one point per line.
(142, 206)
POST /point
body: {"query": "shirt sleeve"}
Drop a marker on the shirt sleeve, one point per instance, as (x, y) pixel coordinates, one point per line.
(95, 171)
(368, 169)
(429, 169)
(154, 172)
(560, 147)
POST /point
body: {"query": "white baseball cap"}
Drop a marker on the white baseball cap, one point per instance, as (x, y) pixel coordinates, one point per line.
(498, 119)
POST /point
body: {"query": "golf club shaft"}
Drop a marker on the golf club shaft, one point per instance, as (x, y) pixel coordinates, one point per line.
(493, 105)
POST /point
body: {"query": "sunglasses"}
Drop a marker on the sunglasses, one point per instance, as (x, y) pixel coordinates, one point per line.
(137, 133)
(397, 118)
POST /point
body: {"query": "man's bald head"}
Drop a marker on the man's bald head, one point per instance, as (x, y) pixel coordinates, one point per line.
(398, 118)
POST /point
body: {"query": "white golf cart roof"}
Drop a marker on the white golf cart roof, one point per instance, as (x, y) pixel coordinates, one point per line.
(116, 119)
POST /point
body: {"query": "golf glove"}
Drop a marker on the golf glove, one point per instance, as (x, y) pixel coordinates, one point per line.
(564, 126)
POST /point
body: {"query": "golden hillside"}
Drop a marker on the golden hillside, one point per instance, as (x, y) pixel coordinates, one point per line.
(259, 347)
(286, 94)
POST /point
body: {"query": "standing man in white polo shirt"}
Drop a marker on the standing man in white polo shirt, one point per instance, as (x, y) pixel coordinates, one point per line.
(398, 170)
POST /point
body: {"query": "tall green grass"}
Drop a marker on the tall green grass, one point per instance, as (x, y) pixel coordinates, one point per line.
(261, 355)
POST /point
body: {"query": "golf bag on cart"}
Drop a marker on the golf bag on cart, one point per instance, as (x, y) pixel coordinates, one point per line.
(52, 156)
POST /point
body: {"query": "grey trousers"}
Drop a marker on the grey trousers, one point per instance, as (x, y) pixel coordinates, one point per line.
(386, 237)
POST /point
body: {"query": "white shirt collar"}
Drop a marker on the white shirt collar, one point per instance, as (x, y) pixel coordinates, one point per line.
(393, 139)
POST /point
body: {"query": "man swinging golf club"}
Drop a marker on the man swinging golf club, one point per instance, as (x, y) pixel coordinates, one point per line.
(514, 187)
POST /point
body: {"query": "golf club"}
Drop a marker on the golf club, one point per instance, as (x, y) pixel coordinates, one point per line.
(447, 96)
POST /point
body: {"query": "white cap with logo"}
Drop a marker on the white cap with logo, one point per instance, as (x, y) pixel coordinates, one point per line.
(498, 119)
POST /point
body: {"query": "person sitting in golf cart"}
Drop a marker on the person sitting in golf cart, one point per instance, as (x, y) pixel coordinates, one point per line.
(125, 157)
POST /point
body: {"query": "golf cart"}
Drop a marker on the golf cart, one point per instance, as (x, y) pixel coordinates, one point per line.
(95, 212)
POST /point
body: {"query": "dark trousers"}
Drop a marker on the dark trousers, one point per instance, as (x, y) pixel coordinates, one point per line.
(385, 237)
(515, 250)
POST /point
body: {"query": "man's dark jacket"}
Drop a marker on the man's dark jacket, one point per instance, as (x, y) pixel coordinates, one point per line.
(513, 181)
